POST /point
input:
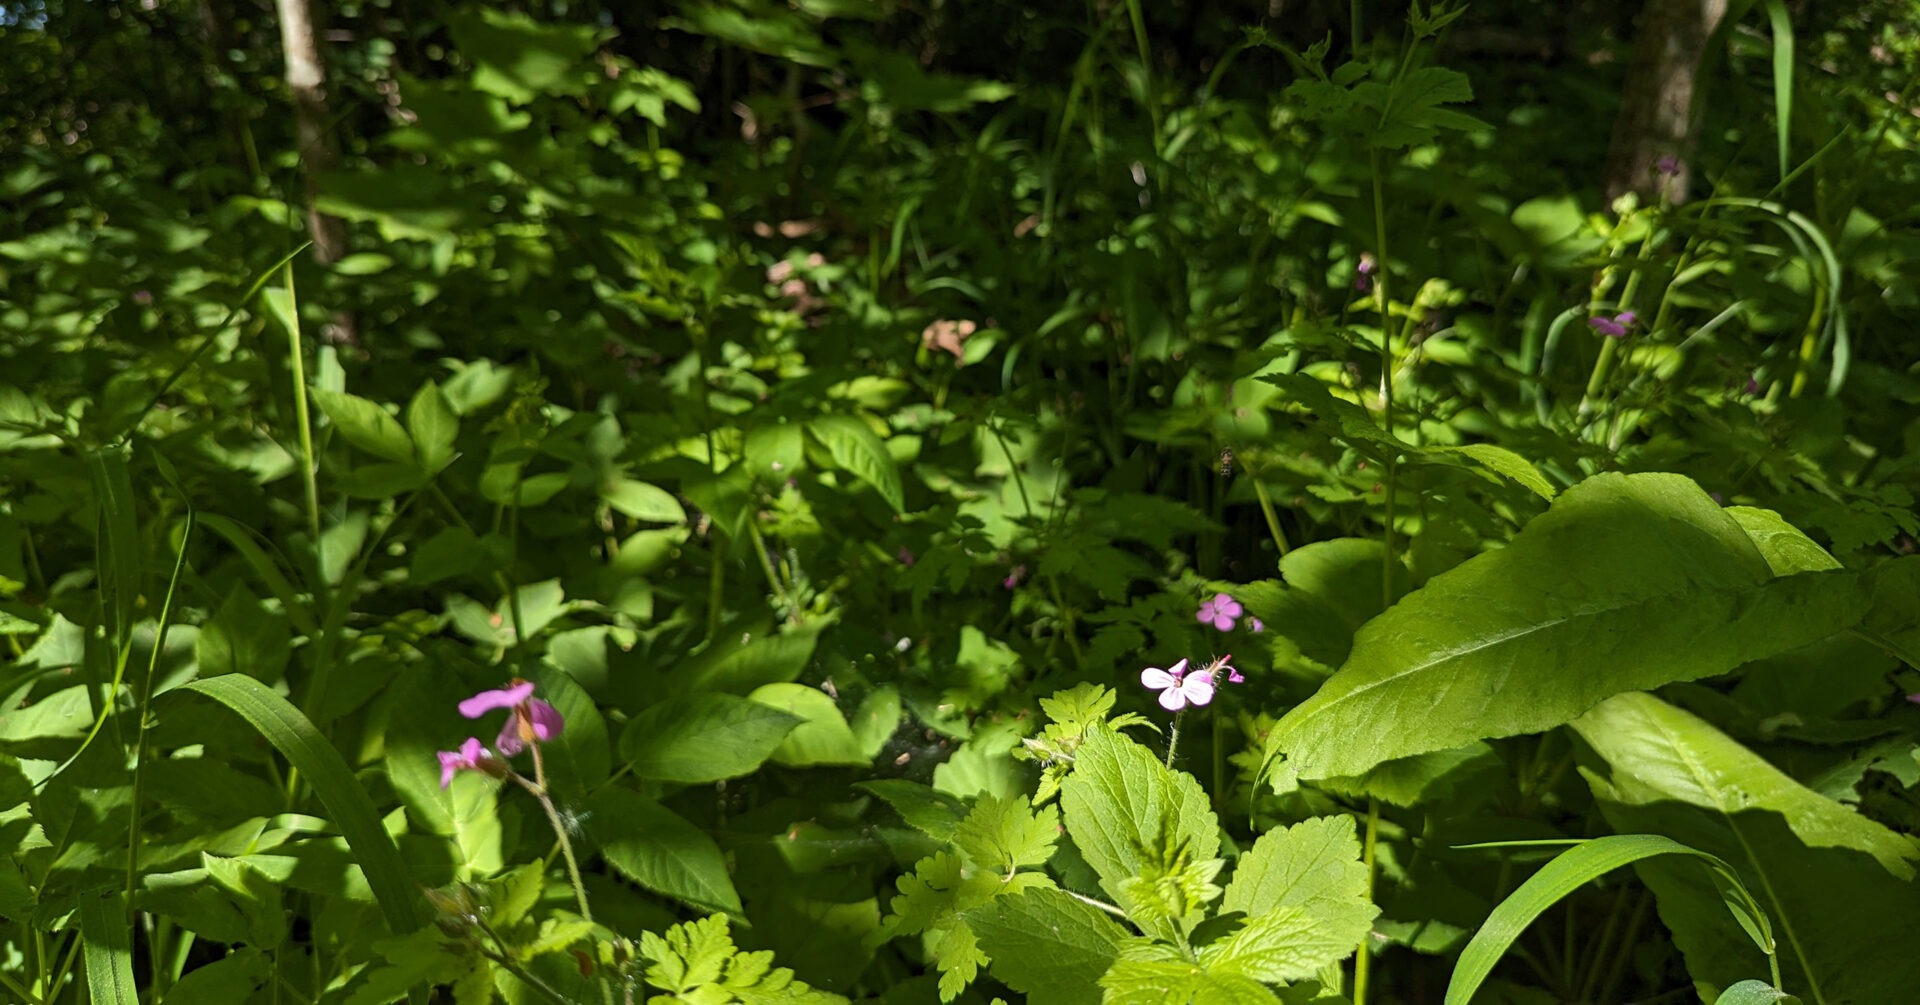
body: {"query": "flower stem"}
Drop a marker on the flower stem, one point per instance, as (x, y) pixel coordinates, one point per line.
(1173, 738)
(539, 790)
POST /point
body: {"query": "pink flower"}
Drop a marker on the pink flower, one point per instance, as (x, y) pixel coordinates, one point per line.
(905, 556)
(1669, 166)
(1363, 274)
(1178, 688)
(1915, 698)
(1258, 627)
(532, 719)
(1220, 612)
(467, 758)
(1013, 578)
(1615, 327)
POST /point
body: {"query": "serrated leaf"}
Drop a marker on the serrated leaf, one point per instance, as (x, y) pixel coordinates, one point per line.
(1005, 834)
(365, 425)
(1287, 944)
(1628, 582)
(658, 849)
(857, 450)
(1314, 865)
(1047, 945)
(1123, 805)
(700, 738)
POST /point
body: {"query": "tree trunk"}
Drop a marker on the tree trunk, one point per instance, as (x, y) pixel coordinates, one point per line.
(1657, 119)
(307, 77)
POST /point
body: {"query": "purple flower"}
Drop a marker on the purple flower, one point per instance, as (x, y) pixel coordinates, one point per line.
(1669, 166)
(1915, 698)
(905, 556)
(1615, 327)
(1363, 274)
(532, 719)
(467, 758)
(1258, 626)
(1013, 578)
(1220, 612)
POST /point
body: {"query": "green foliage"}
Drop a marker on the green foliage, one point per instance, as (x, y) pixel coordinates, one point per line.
(831, 407)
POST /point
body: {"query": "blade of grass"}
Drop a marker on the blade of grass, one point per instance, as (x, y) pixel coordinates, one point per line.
(1585, 862)
(109, 953)
(327, 773)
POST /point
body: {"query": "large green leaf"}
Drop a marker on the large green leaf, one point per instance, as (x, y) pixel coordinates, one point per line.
(1127, 811)
(108, 933)
(1047, 945)
(1628, 582)
(822, 735)
(1838, 886)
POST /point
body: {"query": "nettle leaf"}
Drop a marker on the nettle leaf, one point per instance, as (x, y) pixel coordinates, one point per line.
(856, 449)
(365, 424)
(1150, 973)
(1128, 813)
(1839, 887)
(699, 738)
(1285, 944)
(1313, 865)
(1628, 582)
(1048, 945)
(1005, 834)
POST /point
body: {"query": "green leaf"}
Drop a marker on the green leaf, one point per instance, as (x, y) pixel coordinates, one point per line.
(1313, 866)
(365, 424)
(231, 979)
(1755, 993)
(642, 501)
(701, 738)
(108, 933)
(1285, 944)
(658, 849)
(1786, 549)
(433, 427)
(1628, 582)
(1409, 109)
(1045, 944)
(1506, 464)
(1569, 871)
(330, 778)
(1835, 883)
(1125, 809)
(244, 636)
(736, 667)
(518, 58)
(1149, 973)
(931, 812)
(697, 962)
(822, 736)
(1005, 834)
(857, 450)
